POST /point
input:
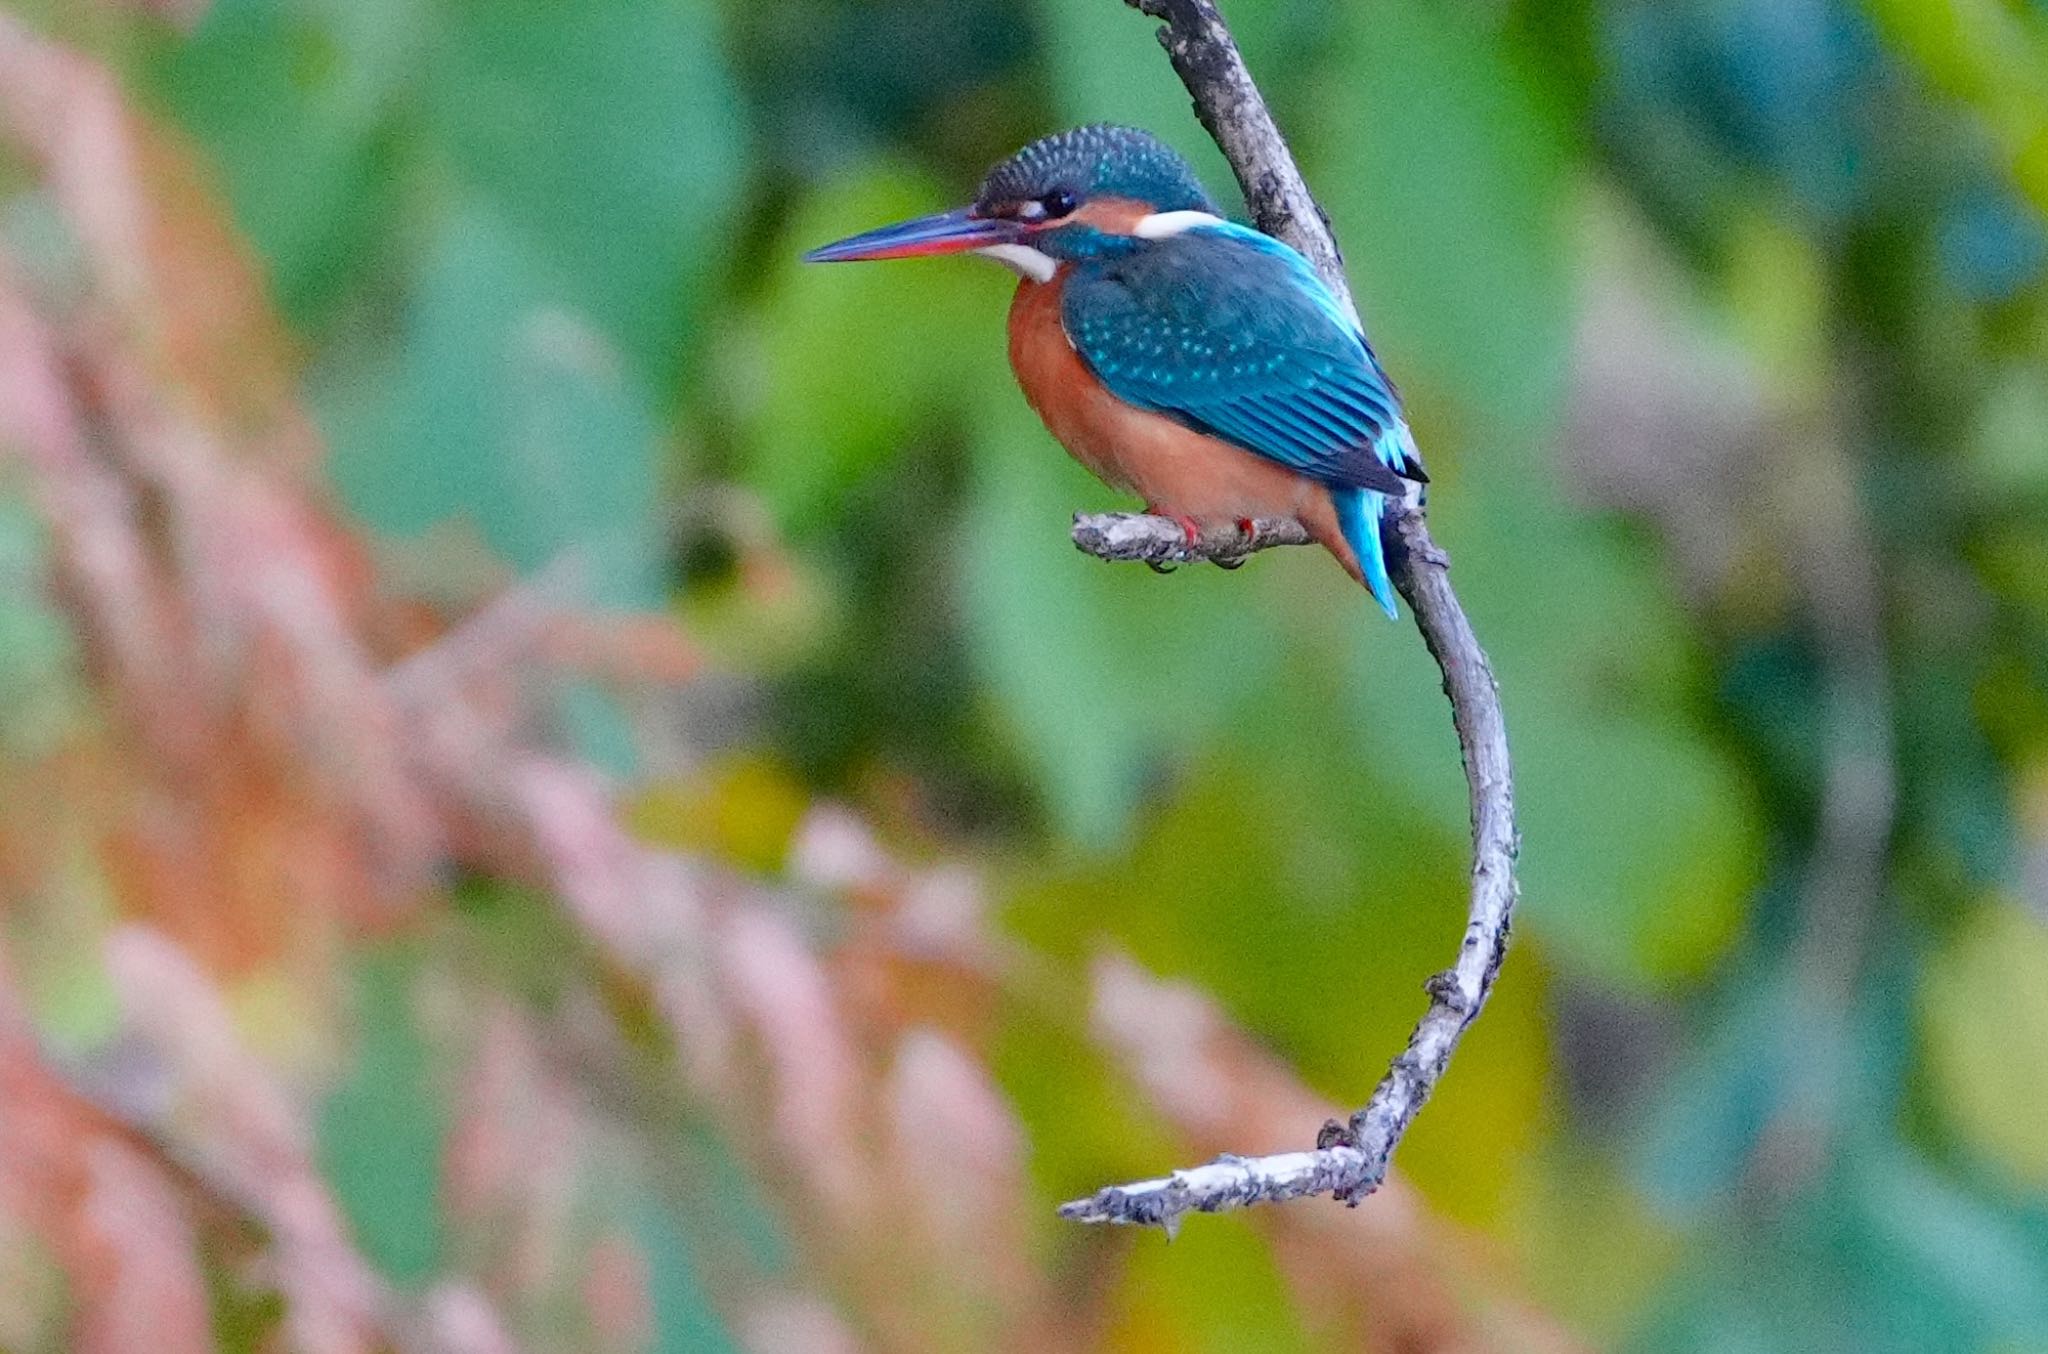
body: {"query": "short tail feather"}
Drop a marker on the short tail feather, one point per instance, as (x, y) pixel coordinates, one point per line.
(1360, 515)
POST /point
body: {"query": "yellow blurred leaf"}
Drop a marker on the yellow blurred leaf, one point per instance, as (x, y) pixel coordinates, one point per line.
(1472, 1152)
(1213, 1288)
(744, 808)
(290, 1027)
(1984, 1028)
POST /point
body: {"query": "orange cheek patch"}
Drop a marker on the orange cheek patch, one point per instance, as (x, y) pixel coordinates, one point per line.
(1112, 215)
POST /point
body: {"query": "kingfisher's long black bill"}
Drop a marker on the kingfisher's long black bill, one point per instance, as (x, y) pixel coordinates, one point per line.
(953, 232)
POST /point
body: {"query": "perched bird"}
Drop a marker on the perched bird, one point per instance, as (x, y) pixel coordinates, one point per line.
(1194, 362)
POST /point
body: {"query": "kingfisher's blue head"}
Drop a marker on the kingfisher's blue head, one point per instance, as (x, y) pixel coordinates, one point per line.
(1086, 193)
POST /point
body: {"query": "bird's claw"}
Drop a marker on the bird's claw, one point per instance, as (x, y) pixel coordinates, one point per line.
(1191, 540)
(1248, 533)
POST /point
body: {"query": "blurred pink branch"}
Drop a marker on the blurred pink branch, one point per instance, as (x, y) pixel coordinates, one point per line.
(213, 1119)
(1349, 1160)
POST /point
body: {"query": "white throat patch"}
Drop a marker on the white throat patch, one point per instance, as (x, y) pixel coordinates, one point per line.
(1165, 225)
(1022, 260)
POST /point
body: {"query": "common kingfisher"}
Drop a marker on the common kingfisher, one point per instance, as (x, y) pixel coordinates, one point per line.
(1197, 363)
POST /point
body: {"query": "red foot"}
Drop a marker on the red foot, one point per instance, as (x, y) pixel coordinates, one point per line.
(1189, 527)
(1248, 529)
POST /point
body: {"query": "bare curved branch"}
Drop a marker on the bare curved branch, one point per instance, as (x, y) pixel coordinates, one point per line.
(1349, 1160)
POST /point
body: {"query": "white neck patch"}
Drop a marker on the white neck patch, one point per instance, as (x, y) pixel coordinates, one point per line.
(1165, 225)
(1022, 260)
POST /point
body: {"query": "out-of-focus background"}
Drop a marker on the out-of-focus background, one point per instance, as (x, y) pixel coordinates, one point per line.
(562, 786)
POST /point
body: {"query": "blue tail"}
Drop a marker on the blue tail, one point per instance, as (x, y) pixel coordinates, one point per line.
(1359, 512)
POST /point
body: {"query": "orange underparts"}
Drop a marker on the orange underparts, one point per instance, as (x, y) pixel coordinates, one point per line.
(1179, 473)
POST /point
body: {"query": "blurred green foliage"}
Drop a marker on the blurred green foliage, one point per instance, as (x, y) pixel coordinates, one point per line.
(543, 261)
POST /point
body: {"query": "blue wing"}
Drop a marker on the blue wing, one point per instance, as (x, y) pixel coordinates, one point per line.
(1231, 332)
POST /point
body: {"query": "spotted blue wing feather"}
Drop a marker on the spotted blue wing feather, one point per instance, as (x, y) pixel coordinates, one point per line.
(1231, 332)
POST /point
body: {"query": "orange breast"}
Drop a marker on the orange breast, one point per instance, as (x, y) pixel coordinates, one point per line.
(1176, 470)
(1083, 415)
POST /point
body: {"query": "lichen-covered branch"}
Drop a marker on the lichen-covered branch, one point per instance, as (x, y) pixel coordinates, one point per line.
(1162, 543)
(1349, 1160)
(1230, 106)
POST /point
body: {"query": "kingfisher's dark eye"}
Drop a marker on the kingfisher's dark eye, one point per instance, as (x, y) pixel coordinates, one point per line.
(1057, 203)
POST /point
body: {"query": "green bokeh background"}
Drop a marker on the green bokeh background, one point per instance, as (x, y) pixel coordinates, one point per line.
(542, 258)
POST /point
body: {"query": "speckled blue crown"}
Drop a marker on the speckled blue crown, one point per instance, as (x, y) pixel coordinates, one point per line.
(1096, 160)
